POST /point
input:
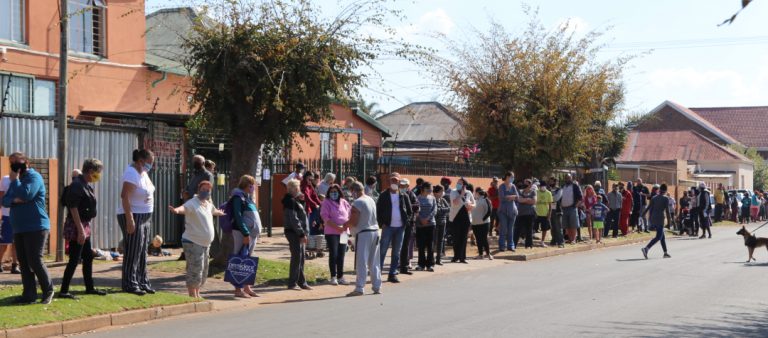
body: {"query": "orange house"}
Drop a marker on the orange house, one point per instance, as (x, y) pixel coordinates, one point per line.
(107, 69)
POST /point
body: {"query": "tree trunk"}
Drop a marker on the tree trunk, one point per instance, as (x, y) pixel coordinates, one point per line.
(246, 151)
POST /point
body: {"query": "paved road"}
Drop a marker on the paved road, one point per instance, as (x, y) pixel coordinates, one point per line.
(705, 290)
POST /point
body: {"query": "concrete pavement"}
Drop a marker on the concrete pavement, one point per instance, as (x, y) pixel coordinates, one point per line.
(704, 290)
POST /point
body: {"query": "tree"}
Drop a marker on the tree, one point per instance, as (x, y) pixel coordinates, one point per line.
(760, 169)
(264, 70)
(534, 101)
(370, 108)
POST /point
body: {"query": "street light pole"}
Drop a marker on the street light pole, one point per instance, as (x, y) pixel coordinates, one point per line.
(62, 118)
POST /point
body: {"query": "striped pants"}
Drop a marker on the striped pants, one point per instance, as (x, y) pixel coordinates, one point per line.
(135, 252)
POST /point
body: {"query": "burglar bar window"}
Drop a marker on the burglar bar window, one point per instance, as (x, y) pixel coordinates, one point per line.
(12, 20)
(17, 92)
(86, 26)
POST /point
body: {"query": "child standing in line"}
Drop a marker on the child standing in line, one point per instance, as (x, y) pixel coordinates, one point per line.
(599, 212)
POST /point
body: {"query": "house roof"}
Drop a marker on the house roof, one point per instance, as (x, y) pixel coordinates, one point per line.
(745, 124)
(367, 118)
(646, 146)
(698, 119)
(424, 121)
(166, 31)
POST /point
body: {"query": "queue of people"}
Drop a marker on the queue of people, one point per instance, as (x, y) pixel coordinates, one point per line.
(321, 215)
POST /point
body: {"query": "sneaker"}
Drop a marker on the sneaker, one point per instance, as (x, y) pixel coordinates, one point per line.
(377, 292)
(305, 287)
(393, 279)
(354, 294)
(343, 281)
(430, 269)
(490, 257)
(419, 268)
(666, 255)
(333, 281)
(645, 252)
(47, 298)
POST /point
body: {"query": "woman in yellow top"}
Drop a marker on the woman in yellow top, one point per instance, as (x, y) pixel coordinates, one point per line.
(543, 212)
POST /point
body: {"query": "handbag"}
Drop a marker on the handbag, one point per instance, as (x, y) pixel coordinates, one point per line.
(241, 268)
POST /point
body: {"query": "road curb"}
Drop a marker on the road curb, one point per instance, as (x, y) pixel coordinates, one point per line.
(565, 251)
(115, 319)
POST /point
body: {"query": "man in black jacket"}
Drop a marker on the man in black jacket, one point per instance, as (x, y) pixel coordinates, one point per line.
(393, 211)
(409, 239)
(705, 210)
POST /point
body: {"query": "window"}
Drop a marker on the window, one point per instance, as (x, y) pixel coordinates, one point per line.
(25, 95)
(45, 98)
(16, 92)
(86, 26)
(326, 146)
(12, 20)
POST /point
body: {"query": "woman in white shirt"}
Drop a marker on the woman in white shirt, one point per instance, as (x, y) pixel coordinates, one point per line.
(198, 235)
(462, 203)
(133, 215)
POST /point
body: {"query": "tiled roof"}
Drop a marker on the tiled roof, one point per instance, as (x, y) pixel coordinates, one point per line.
(423, 121)
(745, 124)
(647, 146)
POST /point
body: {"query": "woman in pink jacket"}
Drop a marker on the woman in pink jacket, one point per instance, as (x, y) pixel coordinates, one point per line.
(335, 212)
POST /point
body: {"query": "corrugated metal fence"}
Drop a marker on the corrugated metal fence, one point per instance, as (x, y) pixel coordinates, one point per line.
(114, 149)
(36, 137)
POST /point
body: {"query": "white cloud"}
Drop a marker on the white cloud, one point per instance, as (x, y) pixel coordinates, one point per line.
(575, 25)
(437, 21)
(716, 87)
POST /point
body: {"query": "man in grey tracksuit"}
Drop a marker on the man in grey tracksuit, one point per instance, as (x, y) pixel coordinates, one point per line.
(366, 230)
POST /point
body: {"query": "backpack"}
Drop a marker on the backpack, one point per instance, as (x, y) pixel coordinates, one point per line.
(227, 221)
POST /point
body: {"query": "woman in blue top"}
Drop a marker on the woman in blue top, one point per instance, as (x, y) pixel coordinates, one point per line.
(507, 212)
(26, 198)
(246, 225)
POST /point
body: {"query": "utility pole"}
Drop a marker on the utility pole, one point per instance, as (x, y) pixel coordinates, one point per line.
(62, 118)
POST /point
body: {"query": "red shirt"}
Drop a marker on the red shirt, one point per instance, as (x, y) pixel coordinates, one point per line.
(493, 194)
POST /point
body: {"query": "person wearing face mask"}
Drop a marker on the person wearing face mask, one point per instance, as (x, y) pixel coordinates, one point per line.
(393, 212)
(526, 214)
(296, 228)
(198, 235)
(246, 226)
(335, 213)
(462, 203)
(26, 198)
(363, 223)
(507, 212)
(133, 215)
(199, 174)
(80, 200)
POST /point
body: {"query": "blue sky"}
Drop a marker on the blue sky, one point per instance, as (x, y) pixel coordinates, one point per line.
(691, 60)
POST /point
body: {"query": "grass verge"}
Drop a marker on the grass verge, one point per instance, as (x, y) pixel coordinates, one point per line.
(270, 272)
(86, 306)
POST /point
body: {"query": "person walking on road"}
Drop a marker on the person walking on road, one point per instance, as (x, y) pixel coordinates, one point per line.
(507, 212)
(462, 203)
(363, 223)
(393, 210)
(658, 209)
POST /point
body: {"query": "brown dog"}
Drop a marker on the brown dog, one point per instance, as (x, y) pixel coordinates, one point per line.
(752, 242)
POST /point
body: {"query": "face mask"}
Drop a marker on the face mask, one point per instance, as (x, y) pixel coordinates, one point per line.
(394, 187)
(459, 186)
(96, 177)
(19, 167)
(404, 190)
(147, 167)
(334, 195)
(203, 195)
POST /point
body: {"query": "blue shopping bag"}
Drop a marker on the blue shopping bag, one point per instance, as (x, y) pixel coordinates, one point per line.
(241, 268)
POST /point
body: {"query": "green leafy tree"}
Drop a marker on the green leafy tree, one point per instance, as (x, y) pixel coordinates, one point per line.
(760, 171)
(264, 70)
(535, 101)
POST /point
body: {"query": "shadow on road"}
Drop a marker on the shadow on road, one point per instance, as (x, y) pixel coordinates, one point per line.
(738, 322)
(631, 260)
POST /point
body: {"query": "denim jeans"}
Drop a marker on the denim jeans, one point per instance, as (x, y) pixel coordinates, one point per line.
(394, 236)
(659, 237)
(506, 230)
